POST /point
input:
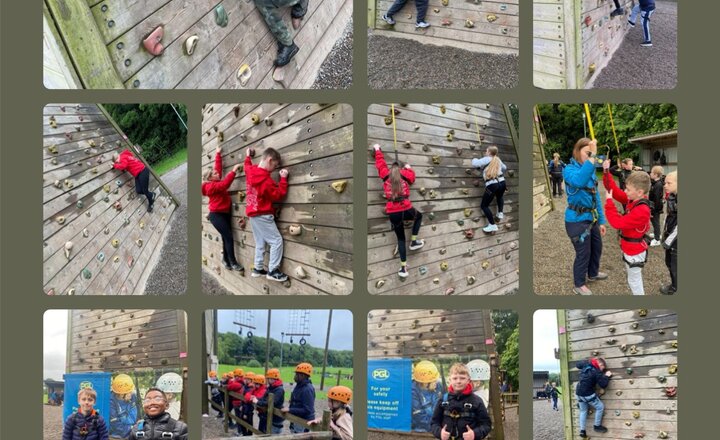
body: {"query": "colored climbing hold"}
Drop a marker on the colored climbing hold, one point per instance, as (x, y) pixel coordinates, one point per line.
(220, 136)
(465, 191)
(673, 344)
(436, 160)
(662, 379)
(618, 393)
(467, 212)
(139, 242)
(672, 369)
(470, 280)
(469, 234)
(491, 17)
(57, 184)
(670, 391)
(449, 137)
(449, 291)
(442, 251)
(379, 283)
(663, 434)
(86, 273)
(485, 264)
(442, 109)
(425, 148)
(422, 191)
(436, 280)
(221, 17)
(633, 350)
(445, 22)
(106, 187)
(423, 270)
(591, 68)
(388, 120)
(80, 204)
(60, 220)
(71, 291)
(623, 347)
(460, 222)
(436, 10)
(611, 329)
(629, 371)
(101, 257)
(339, 186)
(255, 118)
(444, 266)
(636, 414)
(141, 225)
(52, 149)
(295, 230)
(432, 194)
(642, 312)
(445, 2)
(431, 170)
(469, 23)
(268, 122)
(628, 423)
(661, 331)
(617, 412)
(68, 248)
(634, 325)
(115, 242)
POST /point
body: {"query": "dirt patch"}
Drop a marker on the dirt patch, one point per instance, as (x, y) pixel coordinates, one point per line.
(52, 422)
(636, 67)
(399, 63)
(553, 257)
(547, 424)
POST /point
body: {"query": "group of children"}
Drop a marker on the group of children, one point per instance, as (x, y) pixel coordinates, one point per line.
(87, 424)
(261, 192)
(256, 389)
(396, 189)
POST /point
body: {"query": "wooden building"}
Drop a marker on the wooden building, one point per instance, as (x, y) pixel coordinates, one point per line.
(439, 141)
(573, 40)
(474, 25)
(542, 194)
(438, 335)
(316, 144)
(98, 44)
(640, 348)
(98, 237)
(658, 149)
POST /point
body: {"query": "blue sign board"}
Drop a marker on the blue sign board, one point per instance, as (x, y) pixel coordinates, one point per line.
(74, 382)
(389, 394)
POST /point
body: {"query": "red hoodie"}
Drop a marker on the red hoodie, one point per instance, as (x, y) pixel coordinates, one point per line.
(217, 191)
(634, 224)
(258, 392)
(408, 178)
(128, 162)
(467, 391)
(262, 190)
(236, 386)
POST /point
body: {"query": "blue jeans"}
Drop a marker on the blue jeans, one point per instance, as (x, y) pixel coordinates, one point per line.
(588, 250)
(277, 429)
(420, 5)
(585, 403)
(645, 15)
(297, 429)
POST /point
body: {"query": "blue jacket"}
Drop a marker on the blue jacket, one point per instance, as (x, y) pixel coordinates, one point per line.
(279, 393)
(93, 423)
(123, 415)
(424, 402)
(576, 178)
(590, 377)
(647, 5)
(302, 400)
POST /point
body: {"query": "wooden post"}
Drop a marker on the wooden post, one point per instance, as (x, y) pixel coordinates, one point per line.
(565, 374)
(270, 408)
(84, 43)
(267, 342)
(206, 368)
(327, 343)
(372, 6)
(577, 60)
(137, 153)
(226, 404)
(498, 428)
(338, 378)
(538, 133)
(325, 420)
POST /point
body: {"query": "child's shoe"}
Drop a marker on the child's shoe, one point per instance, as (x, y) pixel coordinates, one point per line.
(422, 24)
(227, 265)
(632, 25)
(285, 54)
(646, 44)
(655, 243)
(276, 275)
(151, 202)
(584, 291)
(416, 244)
(616, 12)
(257, 273)
(237, 267)
(583, 434)
(599, 277)
(667, 289)
(489, 229)
(403, 273)
(389, 20)
(499, 216)
(599, 428)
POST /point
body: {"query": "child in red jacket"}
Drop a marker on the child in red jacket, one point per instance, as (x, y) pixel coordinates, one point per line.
(396, 186)
(125, 161)
(215, 187)
(262, 192)
(633, 225)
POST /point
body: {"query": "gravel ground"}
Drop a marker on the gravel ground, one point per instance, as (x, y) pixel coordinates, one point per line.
(164, 279)
(336, 71)
(399, 63)
(52, 422)
(547, 424)
(210, 286)
(636, 67)
(212, 427)
(553, 257)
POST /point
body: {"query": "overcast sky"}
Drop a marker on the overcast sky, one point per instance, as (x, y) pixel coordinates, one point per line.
(54, 343)
(341, 333)
(545, 340)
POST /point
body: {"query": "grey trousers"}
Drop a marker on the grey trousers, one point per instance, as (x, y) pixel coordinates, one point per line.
(265, 231)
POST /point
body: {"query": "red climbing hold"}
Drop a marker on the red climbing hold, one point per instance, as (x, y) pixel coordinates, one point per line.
(152, 42)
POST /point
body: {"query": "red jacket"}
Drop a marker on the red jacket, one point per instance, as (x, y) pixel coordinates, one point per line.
(408, 178)
(128, 162)
(262, 191)
(236, 386)
(257, 392)
(217, 191)
(634, 224)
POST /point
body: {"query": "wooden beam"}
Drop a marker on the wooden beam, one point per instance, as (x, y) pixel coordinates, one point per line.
(84, 43)
(565, 374)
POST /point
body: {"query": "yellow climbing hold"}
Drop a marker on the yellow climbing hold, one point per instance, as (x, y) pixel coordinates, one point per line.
(220, 136)
(469, 23)
(491, 17)
(106, 188)
(485, 264)
(442, 109)
(115, 242)
(591, 68)
(243, 75)
(339, 186)
(255, 118)
(444, 266)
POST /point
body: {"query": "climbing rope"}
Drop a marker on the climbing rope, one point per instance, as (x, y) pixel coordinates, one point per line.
(612, 124)
(392, 115)
(589, 121)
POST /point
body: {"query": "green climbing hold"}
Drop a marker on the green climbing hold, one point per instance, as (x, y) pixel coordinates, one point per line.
(221, 17)
(80, 204)
(423, 270)
(86, 274)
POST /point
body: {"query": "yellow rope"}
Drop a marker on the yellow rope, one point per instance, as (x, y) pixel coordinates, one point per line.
(589, 120)
(612, 124)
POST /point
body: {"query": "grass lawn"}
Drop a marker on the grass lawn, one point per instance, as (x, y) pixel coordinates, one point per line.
(287, 374)
(170, 162)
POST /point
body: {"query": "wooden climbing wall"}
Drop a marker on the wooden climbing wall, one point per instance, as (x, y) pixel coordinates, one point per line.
(640, 351)
(542, 194)
(104, 41)
(574, 40)
(93, 208)
(495, 24)
(126, 340)
(441, 336)
(316, 144)
(450, 203)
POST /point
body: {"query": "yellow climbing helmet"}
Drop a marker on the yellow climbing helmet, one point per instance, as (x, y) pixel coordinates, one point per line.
(273, 373)
(304, 368)
(425, 372)
(259, 379)
(238, 372)
(340, 393)
(249, 375)
(122, 384)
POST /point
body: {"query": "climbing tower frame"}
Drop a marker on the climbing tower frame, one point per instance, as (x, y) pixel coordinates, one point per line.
(542, 193)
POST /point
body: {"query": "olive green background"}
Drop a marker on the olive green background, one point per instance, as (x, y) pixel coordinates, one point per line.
(23, 303)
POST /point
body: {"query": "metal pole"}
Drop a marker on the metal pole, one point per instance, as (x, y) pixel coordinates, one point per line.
(327, 342)
(267, 342)
(179, 117)
(282, 342)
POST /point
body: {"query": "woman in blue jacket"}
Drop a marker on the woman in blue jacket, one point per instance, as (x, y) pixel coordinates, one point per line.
(584, 217)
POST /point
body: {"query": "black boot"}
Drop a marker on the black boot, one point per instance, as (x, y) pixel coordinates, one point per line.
(583, 434)
(299, 9)
(599, 428)
(285, 54)
(151, 202)
(618, 11)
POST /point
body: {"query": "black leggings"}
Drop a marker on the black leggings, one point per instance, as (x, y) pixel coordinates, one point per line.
(223, 223)
(557, 181)
(492, 191)
(142, 184)
(671, 263)
(397, 220)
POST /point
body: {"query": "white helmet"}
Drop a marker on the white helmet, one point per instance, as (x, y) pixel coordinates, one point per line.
(479, 369)
(170, 383)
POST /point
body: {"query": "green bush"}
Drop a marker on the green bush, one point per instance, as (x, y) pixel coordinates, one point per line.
(254, 364)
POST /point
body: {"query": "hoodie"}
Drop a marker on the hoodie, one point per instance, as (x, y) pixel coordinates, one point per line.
(217, 191)
(262, 190)
(634, 224)
(401, 203)
(471, 410)
(590, 377)
(278, 392)
(128, 162)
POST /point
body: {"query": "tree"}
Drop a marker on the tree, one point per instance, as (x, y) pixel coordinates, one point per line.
(510, 358)
(504, 322)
